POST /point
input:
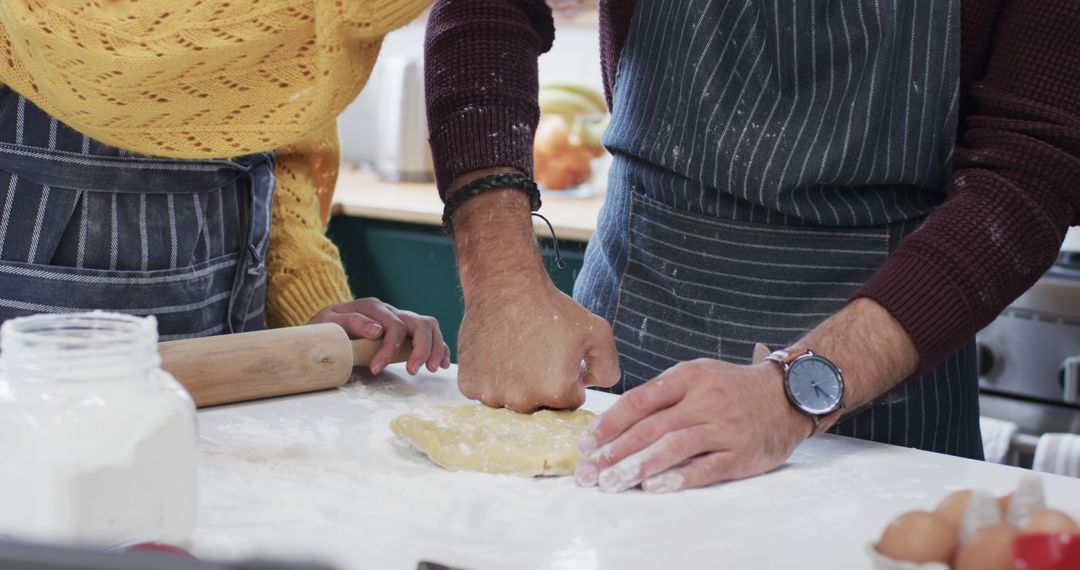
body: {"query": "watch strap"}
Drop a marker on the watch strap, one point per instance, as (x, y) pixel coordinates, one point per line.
(823, 423)
(786, 357)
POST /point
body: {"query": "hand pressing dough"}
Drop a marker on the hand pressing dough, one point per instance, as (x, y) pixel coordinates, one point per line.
(476, 437)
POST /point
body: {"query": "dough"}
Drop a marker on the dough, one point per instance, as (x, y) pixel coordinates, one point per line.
(476, 437)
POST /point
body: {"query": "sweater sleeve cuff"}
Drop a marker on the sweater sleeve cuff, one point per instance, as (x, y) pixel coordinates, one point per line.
(926, 303)
(483, 137)
(299, 296)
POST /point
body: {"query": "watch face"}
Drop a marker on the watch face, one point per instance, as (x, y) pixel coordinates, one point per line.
(815, 384)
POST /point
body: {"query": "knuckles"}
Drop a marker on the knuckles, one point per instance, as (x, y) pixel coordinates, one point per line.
(428, 323)
(677, 445)
(702, 368)
(555, 395)
(637, 400)
(599, 325)
(519, 404)
(648, 432)
(469, 389)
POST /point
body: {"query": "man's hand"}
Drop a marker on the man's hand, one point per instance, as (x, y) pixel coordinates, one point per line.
(698, 423)
(372, 319)
(529, 347)
(706, 421)
(523, 343)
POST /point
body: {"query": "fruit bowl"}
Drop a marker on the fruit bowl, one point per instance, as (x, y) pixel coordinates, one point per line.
(572, 123)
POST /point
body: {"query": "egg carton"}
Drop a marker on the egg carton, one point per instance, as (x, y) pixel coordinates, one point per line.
(982, 511)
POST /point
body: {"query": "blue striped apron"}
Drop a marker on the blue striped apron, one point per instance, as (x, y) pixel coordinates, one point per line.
(767, 159)
(87, 226)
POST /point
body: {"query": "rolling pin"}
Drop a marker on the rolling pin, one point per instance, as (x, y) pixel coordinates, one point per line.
(263, 364)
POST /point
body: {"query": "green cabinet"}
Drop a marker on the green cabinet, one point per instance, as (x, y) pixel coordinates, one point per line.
(411, 266)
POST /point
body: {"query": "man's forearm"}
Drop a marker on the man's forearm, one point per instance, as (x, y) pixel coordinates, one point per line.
(494, 242)
(869, 345)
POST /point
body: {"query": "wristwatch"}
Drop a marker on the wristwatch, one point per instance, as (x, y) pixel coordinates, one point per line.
(814, 385)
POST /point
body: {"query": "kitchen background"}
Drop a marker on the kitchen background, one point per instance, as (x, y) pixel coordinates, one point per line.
(574, 57)
(393, 247)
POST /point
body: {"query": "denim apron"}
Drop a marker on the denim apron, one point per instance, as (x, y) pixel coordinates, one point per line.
(767, 159)
(86, 226)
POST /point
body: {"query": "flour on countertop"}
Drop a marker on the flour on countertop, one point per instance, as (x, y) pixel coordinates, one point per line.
(322, 476)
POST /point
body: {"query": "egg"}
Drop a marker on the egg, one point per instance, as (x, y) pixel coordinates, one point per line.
(1048, 520)
(920, 537)
(989, 549)
(953, 507)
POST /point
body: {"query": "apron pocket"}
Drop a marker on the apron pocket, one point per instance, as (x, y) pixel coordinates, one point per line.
(698, 287)
(188, 301)
(77, 228)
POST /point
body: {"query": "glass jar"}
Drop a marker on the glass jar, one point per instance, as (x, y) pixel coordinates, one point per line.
(98, 444)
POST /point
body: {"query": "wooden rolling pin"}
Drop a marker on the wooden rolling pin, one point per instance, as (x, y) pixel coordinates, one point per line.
(263, 364)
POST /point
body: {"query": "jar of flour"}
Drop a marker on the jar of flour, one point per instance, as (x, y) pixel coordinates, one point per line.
(97, 442)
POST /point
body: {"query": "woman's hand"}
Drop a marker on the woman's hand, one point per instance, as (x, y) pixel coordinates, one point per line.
(372, 319)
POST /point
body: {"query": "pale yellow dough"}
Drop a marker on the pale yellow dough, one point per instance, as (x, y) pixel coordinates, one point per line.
(476, 437)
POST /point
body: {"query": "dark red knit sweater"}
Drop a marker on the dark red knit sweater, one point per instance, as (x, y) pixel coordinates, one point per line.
(1016, 185)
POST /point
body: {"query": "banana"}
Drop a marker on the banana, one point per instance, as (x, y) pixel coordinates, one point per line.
(594, 96)
(590, 133)
(557, 101)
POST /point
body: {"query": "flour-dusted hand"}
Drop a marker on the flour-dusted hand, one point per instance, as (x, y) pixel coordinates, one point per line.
(523, 343)
(531, 346)
(698, 423)
(373, 319)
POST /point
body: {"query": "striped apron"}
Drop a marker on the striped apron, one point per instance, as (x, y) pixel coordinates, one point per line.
(86, 226)
(767, 159)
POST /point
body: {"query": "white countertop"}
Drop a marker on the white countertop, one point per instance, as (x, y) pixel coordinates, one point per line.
(322, 476)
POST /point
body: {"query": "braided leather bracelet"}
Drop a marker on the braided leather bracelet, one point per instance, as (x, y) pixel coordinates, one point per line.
(499, 182)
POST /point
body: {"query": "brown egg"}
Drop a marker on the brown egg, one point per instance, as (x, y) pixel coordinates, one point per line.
(1003, 504)
(918, 536)
(1048, 520)
(989, 549)
(953, 507)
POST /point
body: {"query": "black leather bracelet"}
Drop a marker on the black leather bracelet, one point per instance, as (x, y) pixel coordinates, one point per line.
(487, 184)
(499, 182)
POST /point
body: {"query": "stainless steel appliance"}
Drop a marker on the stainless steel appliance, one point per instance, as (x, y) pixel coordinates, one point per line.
(402, 153)
(1029, 359)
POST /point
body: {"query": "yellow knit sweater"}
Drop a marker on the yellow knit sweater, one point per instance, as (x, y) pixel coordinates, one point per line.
(211, 79)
